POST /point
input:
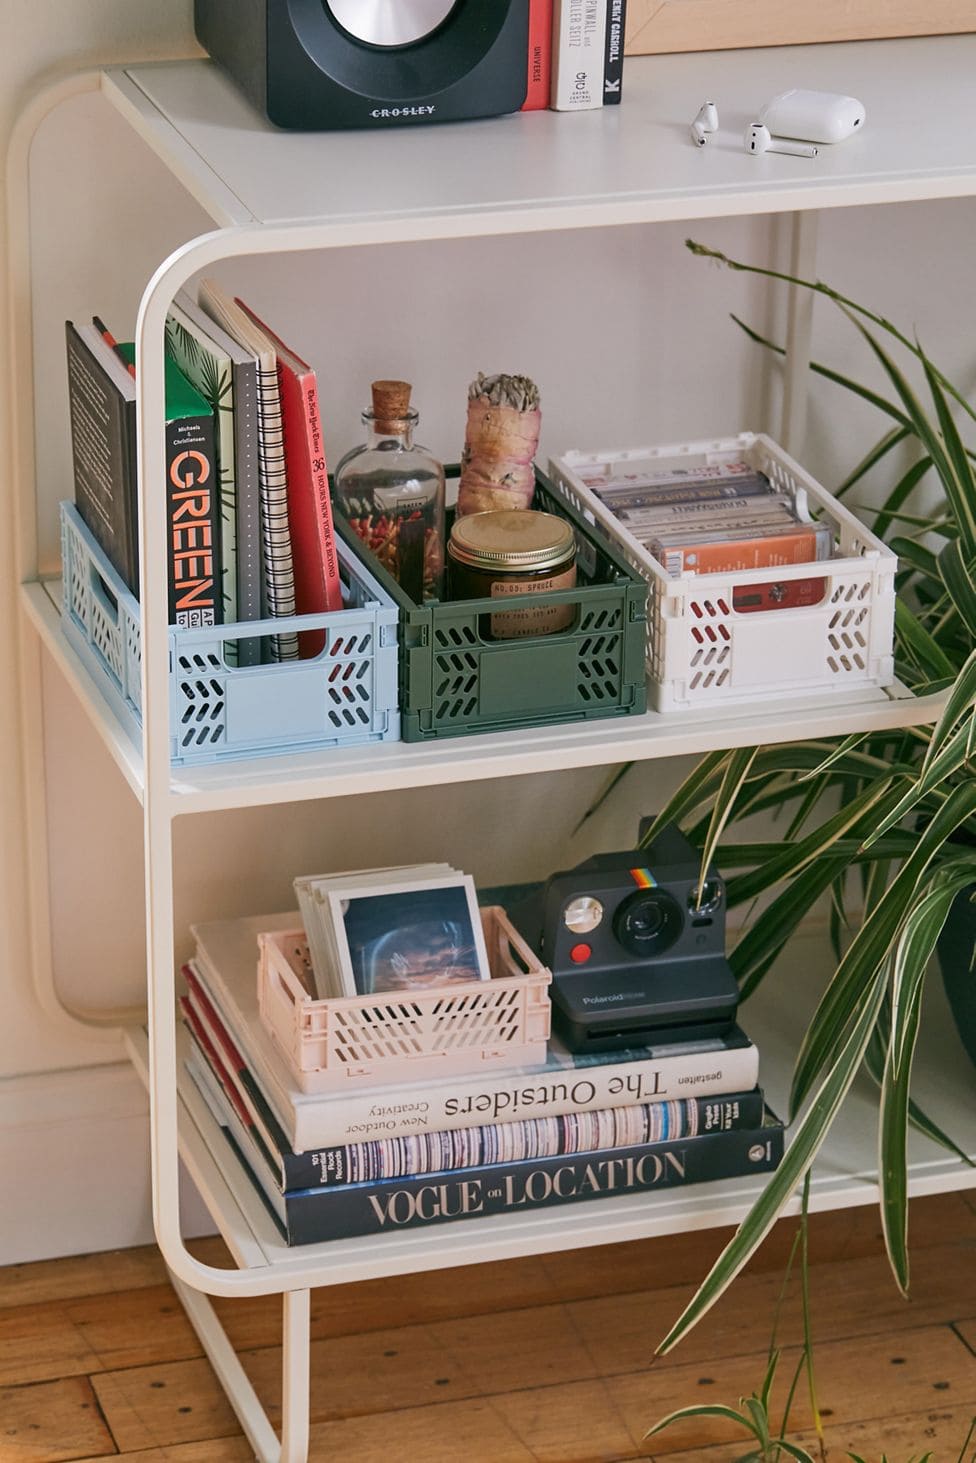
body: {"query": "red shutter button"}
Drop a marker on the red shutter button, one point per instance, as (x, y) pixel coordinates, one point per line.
(580, 953)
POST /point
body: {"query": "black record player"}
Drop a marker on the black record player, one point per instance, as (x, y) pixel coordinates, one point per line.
(323, 64)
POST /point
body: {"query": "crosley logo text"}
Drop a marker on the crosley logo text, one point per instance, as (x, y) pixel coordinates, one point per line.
(381, 112)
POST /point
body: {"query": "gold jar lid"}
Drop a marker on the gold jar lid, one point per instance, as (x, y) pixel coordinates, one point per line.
(512, 538)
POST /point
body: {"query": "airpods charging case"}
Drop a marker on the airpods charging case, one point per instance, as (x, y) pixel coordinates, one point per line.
(814, 116)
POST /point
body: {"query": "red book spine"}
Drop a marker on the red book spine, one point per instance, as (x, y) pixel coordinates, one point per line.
(540, 55)
(313, 545)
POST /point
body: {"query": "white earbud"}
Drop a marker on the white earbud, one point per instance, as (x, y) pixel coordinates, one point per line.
(759, 139)
(708, 117)
(699, 134)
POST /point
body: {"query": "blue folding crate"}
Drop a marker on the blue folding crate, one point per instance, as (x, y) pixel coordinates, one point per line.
(345, 696)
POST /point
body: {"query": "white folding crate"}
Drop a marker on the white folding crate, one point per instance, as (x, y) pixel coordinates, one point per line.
(701, 650)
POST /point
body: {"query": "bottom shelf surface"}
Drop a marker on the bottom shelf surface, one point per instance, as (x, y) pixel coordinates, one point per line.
(845, 1172)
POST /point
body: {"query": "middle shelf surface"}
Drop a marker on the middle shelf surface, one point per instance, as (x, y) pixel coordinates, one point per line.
(338, 772)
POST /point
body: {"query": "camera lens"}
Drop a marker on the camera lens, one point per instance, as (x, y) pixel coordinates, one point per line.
(648, 922)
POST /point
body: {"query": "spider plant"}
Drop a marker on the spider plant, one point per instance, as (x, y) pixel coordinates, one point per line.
(884, 823)
(769, 1444)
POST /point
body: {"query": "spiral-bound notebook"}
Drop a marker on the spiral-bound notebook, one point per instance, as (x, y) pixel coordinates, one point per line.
(279, 572)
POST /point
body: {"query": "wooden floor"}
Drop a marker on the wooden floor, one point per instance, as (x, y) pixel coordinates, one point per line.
(546, 1359)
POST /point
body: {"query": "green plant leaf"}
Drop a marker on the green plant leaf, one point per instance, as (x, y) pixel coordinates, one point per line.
(805, 1143)
(919, 644)
(761, 944)
(829, 374)
(737, 769)
(874, 1064)
(950, 758)
(688, 795)
(958, 575)
(960, 702)
(900, 494)
(712, 1410)
(943, 457)
(922, 927)
(888, 442)
(795, 1451)
(870, 946)
(962, 1451)
(842, 301)
(855, 817)
(915, 557)
(961, 492)
(760, 1422)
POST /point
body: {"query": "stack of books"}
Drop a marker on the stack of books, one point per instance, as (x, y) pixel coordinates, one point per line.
(251, 534)
(382, 1158)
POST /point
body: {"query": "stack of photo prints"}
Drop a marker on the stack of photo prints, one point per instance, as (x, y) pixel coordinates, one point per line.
(380, 1158)
(397, 929)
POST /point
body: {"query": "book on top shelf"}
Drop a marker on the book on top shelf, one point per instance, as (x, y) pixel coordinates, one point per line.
(315, 559)
(579, 48)
(613, 61)
(102, 406)
(540, 56)
(195, 576)
(225, 965)
(226, 376)
(278, 588)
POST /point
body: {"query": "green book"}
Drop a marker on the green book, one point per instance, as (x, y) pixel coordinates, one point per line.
(226, 377)
(192, 493)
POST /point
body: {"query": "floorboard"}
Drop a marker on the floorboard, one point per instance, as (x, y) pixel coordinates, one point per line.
(547, 1360)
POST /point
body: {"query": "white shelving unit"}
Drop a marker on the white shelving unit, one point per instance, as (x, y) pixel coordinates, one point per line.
(275, 193)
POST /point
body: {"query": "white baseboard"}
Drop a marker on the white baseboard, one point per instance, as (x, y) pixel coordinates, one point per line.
(74, 1155)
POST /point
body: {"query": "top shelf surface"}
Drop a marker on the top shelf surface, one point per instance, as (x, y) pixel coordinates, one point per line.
(544, 170)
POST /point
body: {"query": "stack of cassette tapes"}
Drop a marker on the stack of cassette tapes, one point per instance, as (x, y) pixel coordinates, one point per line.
(715, 518)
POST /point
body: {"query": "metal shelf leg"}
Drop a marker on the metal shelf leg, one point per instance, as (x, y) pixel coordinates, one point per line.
(293, 1446)
(296, 1334)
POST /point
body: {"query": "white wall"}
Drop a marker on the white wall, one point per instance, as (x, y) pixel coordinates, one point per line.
(662, 362)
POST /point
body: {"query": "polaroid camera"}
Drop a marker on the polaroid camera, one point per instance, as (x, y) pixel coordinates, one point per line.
(636, 949)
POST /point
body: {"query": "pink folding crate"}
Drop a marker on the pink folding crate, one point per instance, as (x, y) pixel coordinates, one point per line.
(502, 1022)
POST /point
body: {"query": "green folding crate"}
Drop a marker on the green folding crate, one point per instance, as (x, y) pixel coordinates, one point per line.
(455, 680)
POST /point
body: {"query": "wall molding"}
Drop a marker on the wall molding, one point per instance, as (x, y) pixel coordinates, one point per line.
(74, 1153)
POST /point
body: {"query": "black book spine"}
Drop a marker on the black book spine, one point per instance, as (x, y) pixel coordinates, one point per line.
(517, 1188)
(613, 65)
(103, 436)
(385, 1158)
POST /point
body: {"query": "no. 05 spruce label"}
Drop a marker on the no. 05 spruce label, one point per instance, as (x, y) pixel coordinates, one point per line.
(545, 619)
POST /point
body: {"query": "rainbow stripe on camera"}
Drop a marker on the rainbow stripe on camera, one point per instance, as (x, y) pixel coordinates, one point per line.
(643, 878)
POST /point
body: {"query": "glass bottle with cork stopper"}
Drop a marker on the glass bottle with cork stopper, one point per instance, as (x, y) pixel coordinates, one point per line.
(391, 491)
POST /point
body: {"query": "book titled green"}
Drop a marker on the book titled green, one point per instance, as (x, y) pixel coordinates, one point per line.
(193, 519)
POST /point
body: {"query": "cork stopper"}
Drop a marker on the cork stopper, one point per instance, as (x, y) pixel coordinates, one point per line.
(391, 403)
